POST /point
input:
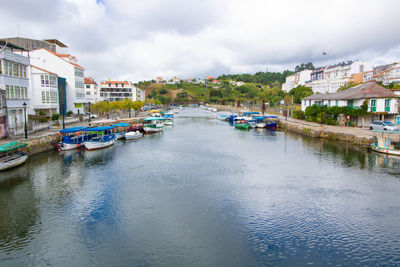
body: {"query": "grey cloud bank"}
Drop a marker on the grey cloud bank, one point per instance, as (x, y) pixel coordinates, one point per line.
(137, 40)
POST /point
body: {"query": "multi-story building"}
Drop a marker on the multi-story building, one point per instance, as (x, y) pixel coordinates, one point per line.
(299, 78)
(64, 65)
(44, 91)
(335, 76)
(116, 91)
(392, 75)
(92, 90)
(15, 83)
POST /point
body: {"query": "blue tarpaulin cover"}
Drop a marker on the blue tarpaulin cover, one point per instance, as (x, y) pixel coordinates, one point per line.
(122, 124)
(72, 130)
(99, 129)
(250, 113)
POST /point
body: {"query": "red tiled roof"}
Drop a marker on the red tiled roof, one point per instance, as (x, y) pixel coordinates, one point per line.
(114, 82)
(89, 80)
(43, 70)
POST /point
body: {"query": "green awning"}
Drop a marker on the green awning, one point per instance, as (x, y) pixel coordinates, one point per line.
(11, 146)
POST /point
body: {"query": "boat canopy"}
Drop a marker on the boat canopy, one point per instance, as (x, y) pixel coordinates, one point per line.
(245, 114)
(260, 118)
(154, 119)
(11, 146)
(121, 124)
(72, 130)
(99, 129)
(271, 116)
(167, 116)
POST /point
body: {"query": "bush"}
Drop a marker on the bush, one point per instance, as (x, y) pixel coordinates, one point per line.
(55, 117)
(163, 91)
(41, 113)
(69, 113)
(298, 114)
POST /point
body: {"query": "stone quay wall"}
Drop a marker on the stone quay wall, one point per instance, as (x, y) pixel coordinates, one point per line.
(41, 144)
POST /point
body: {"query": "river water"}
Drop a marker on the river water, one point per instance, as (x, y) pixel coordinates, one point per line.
(203, 194)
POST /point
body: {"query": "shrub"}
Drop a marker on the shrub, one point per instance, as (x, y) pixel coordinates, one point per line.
(163, 91)
(54, 116)
(69, 113)
(41, 113)
(298, 114)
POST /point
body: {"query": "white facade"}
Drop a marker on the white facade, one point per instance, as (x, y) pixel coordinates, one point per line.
(92, 93)
(299, 78)
(117, 91)
(138, 94)
(337, 76)
(44, 91)
(392, 75)
(14, 79)
(64, 66)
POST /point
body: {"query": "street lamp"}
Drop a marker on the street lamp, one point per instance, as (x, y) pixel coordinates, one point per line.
(25, 128)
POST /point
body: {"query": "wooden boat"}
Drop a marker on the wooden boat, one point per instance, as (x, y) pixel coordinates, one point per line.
(72, 138)
(242, 125)
(11, 155)
(153, 124)
(133, 135)
(384, 144)
(121, 128)
(105, 138)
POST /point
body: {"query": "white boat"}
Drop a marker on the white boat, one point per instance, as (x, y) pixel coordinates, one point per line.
(169, 122)
(12, 158)
(175, 111)
(133, 135)
(119, 136)
(153, 124)
(100, 142)
(106, 139)
(260, 125)
(12, 161)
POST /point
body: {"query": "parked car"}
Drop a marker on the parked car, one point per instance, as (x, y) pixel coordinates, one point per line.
(383, 126)
(92, 116)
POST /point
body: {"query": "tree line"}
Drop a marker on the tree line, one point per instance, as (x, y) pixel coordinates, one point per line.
(111, 107)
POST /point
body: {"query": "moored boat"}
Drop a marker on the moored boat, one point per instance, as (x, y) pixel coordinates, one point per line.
(105, 138)
(133, 135)
(242, 125)
(122, 128)
(72, 138)
(153, 124)
(384, 143)
(11, 156)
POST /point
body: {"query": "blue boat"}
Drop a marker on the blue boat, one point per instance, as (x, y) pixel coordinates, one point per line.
(105, 137)
(271, 122)
(73, 137)
(122, 129)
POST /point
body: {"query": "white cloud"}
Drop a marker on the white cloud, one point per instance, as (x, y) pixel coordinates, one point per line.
(139, 40)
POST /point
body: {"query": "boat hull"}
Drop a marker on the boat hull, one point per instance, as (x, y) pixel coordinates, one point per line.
(152, 129)
(385, 150)
(69, 146)
(260, 125)
(242, 126)
(13, 163)
(119, 136)
(133, 136)
(93, 145)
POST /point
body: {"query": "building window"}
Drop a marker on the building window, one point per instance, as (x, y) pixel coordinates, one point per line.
(350, 103)
(387, 105)
(53, 81)
(373, 105)
(109, 85)
(78, 72)
(42, 80)
(15, 69)
(337, 103)
(10, 68)
(11, 92)
(17, 92)
(7, 92)
(54, 97)
(88, 93)
(1, 69)
(43, 97)
(329, 103)
(88, 86)
(24, 71)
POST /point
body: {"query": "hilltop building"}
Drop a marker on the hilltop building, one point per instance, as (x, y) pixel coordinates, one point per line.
(299, 78)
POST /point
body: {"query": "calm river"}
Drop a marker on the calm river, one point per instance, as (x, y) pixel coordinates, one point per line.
(203, 194)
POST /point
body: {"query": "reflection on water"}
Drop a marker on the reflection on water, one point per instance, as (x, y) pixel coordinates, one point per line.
(203, 193)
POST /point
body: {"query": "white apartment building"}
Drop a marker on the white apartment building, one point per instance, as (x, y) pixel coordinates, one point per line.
(92, 94)
(15, 81)
(64, 65)
(116, 91)
(335, 76)
(44, 91)
(392, 75)
(299, 78)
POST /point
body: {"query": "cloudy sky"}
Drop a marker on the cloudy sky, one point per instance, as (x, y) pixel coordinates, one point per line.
(141, 39)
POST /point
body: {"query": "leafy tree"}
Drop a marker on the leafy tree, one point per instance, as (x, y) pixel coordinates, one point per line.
(346, 86)
(304, 66)
(300, 92)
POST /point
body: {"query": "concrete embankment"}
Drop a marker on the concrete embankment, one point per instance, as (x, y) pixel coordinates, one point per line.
(41, 144)
(354, 135)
